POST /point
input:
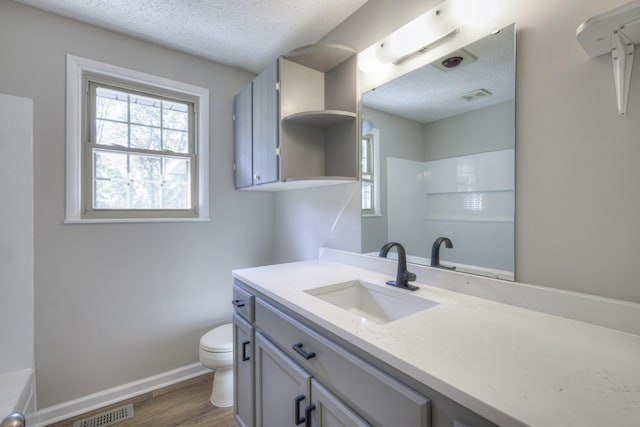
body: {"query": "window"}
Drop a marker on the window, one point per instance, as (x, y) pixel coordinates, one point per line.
(369, 175)
(137, 149)
(368, 206)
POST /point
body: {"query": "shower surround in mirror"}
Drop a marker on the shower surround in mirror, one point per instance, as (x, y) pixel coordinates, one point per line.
(468, 199)
(447, 165)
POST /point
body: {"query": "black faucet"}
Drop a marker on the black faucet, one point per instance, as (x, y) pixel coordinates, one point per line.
(403, 277)
(435, 252)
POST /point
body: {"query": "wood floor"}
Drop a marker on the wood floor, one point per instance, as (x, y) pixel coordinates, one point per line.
(185, 404)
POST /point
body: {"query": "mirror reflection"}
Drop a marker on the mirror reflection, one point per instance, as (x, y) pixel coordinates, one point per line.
(438, 159)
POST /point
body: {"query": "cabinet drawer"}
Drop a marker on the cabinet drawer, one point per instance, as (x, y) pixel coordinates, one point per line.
(243, 302)
(378, 398)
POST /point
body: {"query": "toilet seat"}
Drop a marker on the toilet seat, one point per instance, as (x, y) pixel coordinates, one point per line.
(218, 340)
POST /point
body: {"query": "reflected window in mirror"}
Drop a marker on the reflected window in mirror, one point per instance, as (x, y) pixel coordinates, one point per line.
(370, 172)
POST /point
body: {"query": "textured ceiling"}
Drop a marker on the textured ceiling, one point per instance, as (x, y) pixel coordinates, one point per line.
(429, 94)
(248, 34)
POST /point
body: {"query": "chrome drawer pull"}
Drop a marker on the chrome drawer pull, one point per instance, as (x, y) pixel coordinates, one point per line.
(298, 349)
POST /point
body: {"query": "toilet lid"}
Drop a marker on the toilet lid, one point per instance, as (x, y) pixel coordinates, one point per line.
(219, 339)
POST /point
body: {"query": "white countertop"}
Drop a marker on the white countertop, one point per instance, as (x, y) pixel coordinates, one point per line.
(503, 362)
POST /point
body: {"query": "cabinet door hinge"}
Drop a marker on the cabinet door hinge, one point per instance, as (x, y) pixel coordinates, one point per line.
(277, 86)
(234, 166)
(234, 117)
(278, 151)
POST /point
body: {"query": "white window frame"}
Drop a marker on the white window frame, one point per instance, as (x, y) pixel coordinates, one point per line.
(77, 68)
(375, 144)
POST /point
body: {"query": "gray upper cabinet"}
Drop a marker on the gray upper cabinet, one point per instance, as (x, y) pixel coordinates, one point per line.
(304, 121)
(242, 116)
(265, 126)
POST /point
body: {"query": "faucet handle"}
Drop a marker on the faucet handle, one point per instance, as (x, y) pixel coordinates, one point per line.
(409, 276)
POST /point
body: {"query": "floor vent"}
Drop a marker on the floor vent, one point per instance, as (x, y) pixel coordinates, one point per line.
(107, 418)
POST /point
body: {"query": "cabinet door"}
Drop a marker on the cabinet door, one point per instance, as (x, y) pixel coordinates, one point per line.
(265, 126)
(243, 370)
(327, 410)
(282, 387)
(243, 136)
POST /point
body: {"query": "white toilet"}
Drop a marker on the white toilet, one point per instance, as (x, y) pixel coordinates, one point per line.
(216, 352)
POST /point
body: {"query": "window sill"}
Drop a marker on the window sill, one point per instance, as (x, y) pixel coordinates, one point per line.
(132, 220)
(374, 215)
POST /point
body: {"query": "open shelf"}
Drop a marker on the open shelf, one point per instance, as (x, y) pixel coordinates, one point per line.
(321, 118)
(302, 182)
(321, 57)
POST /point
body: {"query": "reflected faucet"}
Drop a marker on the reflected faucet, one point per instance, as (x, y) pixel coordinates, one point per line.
(403, 277)
(435, 252)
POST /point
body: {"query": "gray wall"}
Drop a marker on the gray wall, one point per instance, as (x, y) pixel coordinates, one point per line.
(577, 203)
(116, 303)
(479, 131)
(308, 219)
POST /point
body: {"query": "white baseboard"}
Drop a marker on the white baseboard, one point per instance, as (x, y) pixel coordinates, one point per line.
(103, 398)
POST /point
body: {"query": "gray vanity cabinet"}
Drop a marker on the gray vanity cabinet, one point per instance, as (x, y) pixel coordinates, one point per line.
(330, 382)
(282, 387)
(327, 410)
(243, 364)
(243, 357)
(287, 395)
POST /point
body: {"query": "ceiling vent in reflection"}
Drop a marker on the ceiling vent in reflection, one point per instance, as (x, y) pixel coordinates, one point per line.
(454, 60)
(476, 94)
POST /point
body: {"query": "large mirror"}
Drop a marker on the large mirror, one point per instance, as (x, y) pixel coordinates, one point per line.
(438, 159)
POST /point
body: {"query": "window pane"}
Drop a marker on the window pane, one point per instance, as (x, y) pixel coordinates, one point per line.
(109, 165)
(112, 133)
(145, 111)
(175, 116)
(365, 156)
(176, 184)
(176, 141)
(367, 196)
(111, 104)
(146, 195)
(111, 195)
(145, 137)
(145, 168)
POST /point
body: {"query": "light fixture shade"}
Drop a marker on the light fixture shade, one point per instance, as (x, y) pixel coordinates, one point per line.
(419, 34)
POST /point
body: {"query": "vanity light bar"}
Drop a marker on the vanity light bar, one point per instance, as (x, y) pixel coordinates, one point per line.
(415, 37)
(427, 30)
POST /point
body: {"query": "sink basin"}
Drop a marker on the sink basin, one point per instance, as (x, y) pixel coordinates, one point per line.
(371, 302)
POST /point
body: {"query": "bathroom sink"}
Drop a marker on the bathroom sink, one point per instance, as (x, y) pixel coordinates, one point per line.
(371, 302)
